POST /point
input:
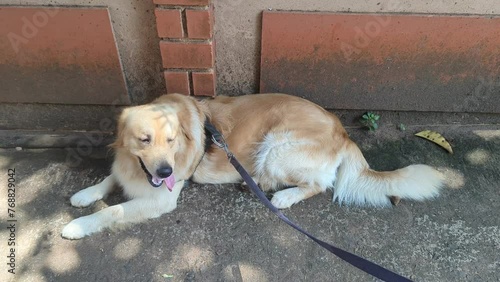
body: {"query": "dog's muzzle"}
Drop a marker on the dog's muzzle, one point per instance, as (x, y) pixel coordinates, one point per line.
(165, 173)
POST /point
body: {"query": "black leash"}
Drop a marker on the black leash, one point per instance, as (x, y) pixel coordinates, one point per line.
(359, 262)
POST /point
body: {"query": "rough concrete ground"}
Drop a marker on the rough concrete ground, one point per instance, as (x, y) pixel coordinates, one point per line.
(222, 233)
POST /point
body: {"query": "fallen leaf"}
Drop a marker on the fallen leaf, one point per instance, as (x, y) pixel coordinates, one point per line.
(167, 276)
(436, 138)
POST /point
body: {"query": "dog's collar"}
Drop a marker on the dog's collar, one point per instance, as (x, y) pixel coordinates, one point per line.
(208, 134)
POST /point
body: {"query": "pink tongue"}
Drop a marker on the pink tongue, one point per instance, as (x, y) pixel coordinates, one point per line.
(170, 182)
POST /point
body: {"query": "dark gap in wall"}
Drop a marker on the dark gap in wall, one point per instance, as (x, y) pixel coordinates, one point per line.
(191, 88)
(184, 23)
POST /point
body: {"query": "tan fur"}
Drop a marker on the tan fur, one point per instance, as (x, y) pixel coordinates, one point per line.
(175, 126)
(280, 139)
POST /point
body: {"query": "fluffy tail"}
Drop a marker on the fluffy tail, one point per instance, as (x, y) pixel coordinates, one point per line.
(358, 184)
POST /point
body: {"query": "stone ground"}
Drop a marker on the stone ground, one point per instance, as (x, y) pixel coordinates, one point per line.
(222, 233)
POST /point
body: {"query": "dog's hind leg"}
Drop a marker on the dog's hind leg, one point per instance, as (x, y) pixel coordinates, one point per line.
(302, 163)
(285, 198)
(88, 196)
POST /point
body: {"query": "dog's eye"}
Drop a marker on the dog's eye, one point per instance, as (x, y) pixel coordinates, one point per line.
(170, 140)
(145, 140)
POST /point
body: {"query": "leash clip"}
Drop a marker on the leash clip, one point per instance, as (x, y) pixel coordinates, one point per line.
(220, 142)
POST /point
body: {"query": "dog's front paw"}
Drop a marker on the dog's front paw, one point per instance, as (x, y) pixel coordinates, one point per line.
(286, 198)
(79, 228)
(85, 198)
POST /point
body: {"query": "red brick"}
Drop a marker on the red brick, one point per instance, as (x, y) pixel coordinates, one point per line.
(199, 24)
(169, 23)
(204, 83)
(183, 2)
(177, 82)
(186, 55)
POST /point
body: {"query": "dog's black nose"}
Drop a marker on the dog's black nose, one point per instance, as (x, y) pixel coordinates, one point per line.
(164, 171)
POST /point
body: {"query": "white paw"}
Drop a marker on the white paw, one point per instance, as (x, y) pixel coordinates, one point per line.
(286, 198)
(79, 228)
(85, 198)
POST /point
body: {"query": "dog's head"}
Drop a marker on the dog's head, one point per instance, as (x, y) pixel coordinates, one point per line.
(152, 134)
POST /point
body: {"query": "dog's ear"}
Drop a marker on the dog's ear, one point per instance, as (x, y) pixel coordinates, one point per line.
(186, 132)
(120, 130)
(192, 116)
(185, 125)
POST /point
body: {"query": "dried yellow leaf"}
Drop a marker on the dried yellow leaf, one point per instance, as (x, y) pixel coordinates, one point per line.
(436, 138)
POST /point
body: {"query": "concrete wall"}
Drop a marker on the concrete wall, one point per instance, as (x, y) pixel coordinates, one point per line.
(237, 34)
(238, 29)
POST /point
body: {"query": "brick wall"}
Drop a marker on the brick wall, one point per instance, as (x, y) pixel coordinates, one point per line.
(185, 28)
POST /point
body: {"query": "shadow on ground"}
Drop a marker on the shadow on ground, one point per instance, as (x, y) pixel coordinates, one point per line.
(221, 233)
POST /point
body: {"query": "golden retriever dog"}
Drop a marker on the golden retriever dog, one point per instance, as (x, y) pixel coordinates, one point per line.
(282, 140)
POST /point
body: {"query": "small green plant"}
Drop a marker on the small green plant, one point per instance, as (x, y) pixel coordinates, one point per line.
(402, 127)
(370, 120)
